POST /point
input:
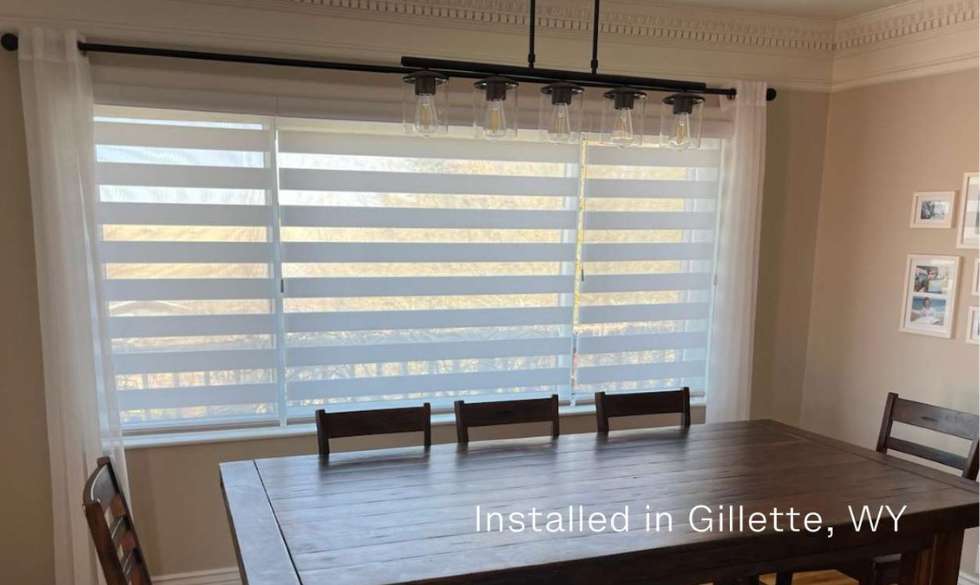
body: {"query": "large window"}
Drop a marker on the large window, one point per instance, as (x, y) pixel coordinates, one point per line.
(257, 268)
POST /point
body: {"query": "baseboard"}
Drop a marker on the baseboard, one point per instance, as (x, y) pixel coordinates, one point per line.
(229, 576)
(226, 576)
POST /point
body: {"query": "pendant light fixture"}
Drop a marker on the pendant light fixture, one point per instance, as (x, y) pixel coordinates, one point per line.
(680, 121)
(623, 116)
(560, 112)
(425, 105)
(495, 107)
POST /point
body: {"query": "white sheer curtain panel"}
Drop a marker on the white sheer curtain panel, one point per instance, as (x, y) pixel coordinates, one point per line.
(82, 419)
(733, 316)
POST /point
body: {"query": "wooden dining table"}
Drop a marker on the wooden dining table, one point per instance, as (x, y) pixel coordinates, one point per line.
(408, 515)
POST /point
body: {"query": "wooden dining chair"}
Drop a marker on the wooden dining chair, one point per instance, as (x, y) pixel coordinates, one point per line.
(884, 570)
(112, 528)
(334, 425)
(639, 403)
(504, 412)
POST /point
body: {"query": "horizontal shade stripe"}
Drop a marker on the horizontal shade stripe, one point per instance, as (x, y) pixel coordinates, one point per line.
(634, 252)
(397, 182)
(641, 313)
(651, 189)
(413, 147)
(647, 220)
(641, 342)
(424, 252)
(165, 136)
(189, 289)
(408, 217)
(183, 214)
(643, 282)
(185, 252)
(633, 372)
(406, 352)
(189, 176)
(445, 319)
(193, 361)
(316, 389)
(422, 286)
(651, 157)
(224, 395)
(191, 325)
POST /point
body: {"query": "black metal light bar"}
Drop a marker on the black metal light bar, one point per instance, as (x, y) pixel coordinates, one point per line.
(461, 69)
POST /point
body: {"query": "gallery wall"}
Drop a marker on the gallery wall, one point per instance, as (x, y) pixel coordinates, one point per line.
(883, 143)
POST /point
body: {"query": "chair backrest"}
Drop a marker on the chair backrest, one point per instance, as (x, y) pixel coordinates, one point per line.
(934, 418)
(504, 412)
(333, 425)
(113, 532)
(609, 406)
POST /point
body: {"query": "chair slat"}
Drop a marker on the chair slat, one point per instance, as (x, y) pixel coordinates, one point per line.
(936, 418)
(116, 542)
(505, 412)
(926, 452)
(332, 425)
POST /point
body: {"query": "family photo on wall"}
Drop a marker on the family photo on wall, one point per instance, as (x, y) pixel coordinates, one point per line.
(929, 306)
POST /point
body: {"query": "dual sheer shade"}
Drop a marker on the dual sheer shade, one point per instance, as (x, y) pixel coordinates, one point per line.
(257, 268)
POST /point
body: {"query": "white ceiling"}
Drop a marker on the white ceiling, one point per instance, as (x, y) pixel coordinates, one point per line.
(833, 9)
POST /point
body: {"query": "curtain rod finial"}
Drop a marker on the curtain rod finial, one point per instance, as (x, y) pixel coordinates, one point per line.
(9, 41)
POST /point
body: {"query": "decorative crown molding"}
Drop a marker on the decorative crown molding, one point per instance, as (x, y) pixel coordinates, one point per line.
(665, 22)
(625, 22)
(904, 20)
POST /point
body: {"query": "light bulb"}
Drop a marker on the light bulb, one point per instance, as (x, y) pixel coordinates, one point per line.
(622, 131)
(426, 115)
(681, 136)
(560, 128)
(495, 120)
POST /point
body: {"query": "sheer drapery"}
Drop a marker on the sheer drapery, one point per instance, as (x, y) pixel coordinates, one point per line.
(736, 273)
(82, 418)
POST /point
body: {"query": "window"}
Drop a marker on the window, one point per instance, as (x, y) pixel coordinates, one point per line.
(257, 268)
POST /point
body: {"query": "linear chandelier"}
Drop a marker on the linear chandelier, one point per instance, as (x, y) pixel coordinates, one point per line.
(495, 92)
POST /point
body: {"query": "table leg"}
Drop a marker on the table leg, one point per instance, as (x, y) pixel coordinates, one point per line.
(937, 565)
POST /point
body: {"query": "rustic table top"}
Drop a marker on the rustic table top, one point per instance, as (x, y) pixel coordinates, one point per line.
(410, 516)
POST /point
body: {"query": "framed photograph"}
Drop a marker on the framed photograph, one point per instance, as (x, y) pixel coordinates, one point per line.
(933, 209)
(975, 289)
(973, 332)
(929, 307)
(968, 228)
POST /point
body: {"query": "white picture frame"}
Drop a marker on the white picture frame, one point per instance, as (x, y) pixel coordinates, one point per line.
(933, 209)
(973, 326)
(975, 287)
(968, 224)
(929, 305)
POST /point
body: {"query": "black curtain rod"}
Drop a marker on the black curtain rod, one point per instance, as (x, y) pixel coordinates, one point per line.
(461, 69)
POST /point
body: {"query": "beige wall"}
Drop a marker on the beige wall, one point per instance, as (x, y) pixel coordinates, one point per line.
(883, 143)
(25, 539)
(796, 127)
